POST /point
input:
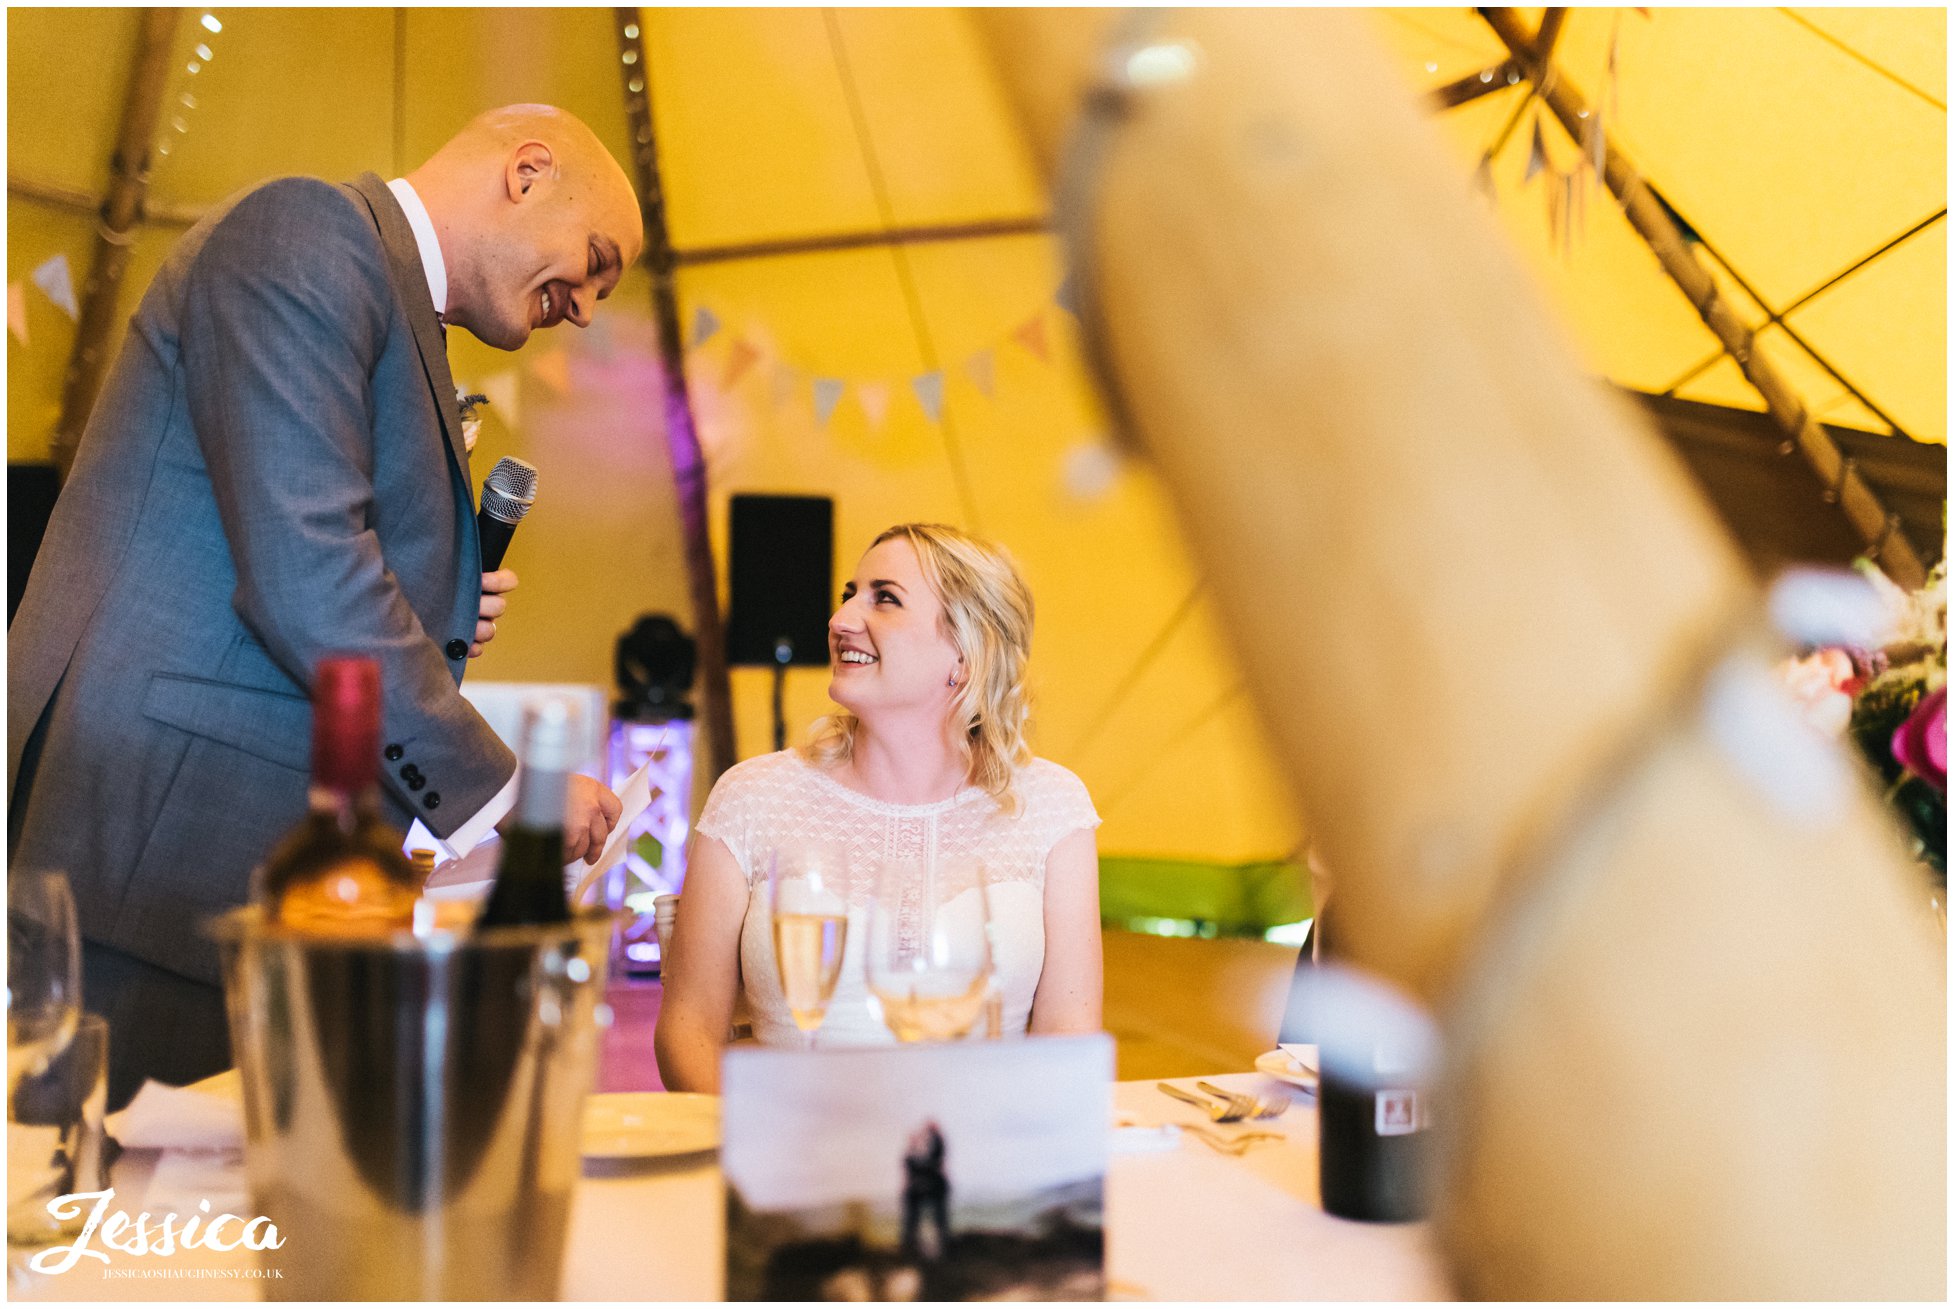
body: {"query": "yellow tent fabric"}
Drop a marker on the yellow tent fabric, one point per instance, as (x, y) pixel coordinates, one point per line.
(1796, 142)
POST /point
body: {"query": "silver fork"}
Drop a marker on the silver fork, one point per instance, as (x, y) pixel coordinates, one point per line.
(1220, 1113)
(1238, 1144)
(1243, 1105)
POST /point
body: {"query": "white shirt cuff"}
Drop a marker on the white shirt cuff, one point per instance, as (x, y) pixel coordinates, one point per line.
(469, 834)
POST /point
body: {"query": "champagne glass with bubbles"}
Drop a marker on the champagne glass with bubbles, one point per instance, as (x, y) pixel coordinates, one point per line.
(807, 887)
(43, 972)
(929, 955)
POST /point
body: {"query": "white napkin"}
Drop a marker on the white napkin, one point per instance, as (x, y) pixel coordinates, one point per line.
(207, 1116)
(1131, 1136)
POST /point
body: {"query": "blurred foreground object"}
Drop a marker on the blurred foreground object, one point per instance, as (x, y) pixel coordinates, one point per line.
(1692, 998)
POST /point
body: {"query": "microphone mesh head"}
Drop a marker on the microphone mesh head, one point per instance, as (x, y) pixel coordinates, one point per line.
(509, 490)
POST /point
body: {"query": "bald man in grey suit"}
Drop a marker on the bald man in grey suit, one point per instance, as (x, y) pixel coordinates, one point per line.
(276, 471)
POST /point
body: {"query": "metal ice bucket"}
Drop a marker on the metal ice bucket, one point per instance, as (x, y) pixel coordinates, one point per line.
(413, 1104)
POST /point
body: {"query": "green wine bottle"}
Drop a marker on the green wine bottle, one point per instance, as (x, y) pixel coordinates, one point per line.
(528, 889)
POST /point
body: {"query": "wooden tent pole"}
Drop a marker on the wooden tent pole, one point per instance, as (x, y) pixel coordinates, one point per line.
(1692, 995)
(681, 431)
(142, 107)
(1838, 474)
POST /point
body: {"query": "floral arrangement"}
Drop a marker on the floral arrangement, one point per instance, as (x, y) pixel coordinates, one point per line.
(1891, 702)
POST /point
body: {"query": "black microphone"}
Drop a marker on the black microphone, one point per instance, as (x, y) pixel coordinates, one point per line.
(506, 497)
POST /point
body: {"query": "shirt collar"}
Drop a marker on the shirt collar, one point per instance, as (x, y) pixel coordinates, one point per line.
(432, 263)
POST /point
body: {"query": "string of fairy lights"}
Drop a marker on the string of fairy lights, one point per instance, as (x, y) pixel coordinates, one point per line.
(186, 99)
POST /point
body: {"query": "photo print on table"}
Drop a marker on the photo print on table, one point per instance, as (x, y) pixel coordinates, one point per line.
(961, 1171)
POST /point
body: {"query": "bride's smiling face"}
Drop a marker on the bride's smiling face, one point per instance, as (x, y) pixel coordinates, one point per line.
(886, 643)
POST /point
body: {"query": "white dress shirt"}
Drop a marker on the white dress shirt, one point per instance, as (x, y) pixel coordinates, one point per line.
(469, 834)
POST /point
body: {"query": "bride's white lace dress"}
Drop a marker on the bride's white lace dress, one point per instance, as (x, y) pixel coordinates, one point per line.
(782, 801)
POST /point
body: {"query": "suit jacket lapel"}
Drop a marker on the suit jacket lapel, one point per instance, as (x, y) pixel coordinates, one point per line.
(410, 283)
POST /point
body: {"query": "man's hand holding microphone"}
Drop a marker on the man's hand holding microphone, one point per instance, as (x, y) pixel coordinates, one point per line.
(590, 808)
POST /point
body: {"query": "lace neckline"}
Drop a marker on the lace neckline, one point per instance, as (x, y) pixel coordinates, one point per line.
(869, 802)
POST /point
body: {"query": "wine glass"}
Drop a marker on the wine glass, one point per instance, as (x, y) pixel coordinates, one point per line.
(929, 955)
(43, 972)
(807, 891)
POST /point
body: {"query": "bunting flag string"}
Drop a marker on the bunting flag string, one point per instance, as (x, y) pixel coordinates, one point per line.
(17, 311)
(785, 384)
(57, 284)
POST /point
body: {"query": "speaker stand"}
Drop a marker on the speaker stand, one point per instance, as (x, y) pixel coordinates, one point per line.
(783, 653)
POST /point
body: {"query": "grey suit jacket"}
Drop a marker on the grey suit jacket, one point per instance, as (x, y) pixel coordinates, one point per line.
(274, 472)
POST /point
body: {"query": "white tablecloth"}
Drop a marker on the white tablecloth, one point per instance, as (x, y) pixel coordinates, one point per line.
(1186, 1223)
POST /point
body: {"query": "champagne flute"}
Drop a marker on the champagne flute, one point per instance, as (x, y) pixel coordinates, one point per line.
(807, 890)
(929, 958)
(43, 972)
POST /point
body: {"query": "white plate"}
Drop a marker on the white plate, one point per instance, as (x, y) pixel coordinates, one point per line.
(649, 1124)
(1280, 1065)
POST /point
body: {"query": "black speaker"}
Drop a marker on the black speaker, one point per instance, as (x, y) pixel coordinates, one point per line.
(783, 577)
(31, 489)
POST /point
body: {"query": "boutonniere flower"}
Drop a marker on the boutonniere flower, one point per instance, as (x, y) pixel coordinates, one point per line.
(471, 422)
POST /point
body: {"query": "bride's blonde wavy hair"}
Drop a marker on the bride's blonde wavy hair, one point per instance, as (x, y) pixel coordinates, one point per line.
(987, 615)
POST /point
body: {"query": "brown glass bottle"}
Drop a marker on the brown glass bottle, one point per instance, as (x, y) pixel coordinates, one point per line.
(340, 871)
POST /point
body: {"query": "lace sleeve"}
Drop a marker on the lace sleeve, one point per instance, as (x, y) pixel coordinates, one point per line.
(729, 816)
(1061, 802)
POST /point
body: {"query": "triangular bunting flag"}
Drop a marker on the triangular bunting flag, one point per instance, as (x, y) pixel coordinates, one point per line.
(57, 284)
(504, 392)
(874, 397)
(786, 381)
(929, 393)
(17, 311)
(1067, 296)
(1482, 178)
(704, 324)
(552, 370)
(1536, 157)
(982, 368)
(1031, 335)
(827, 394)
(742, 357)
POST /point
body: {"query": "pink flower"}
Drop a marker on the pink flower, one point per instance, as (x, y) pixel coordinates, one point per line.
(1920, 743)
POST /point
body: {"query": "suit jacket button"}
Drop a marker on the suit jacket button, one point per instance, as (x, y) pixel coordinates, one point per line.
(416, 782)
(432, 800)
(394, 753)
(457, 649)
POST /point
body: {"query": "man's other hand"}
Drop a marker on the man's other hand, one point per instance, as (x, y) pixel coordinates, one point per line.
(589, 813)
(495, 586)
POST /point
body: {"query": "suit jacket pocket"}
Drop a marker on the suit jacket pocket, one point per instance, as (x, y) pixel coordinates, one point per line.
(268, 725)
